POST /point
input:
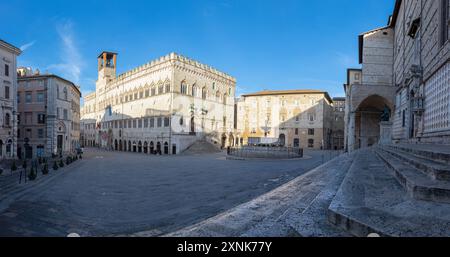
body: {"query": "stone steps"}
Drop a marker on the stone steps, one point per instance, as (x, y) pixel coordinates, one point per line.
(435, 170)
(201, 147)
(370, 200)
(313, 221)
(417, 183)
(438, 153)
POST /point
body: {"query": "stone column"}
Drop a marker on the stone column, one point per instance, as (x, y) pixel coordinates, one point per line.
(351, 132)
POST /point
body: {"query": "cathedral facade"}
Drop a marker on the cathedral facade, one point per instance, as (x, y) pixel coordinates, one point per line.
(160, 107)
(406, 71)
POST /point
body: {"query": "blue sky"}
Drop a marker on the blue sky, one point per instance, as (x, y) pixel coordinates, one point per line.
(284, 44)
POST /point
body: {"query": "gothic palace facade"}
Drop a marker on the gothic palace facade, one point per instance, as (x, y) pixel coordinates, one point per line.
(163, 106)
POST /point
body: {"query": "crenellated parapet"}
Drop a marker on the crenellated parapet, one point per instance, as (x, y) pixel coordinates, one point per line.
(169, 61)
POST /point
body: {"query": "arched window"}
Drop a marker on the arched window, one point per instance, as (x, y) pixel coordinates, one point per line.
(225, 99)
(161, 89)
(204, 93)
(65, 93)
(167, 87)
(57, 91)
(7, 120)
(183, 88)
(194, 90)
(181, 121)
(153, 91)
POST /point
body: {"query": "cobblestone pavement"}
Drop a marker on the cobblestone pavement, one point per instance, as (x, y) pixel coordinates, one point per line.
(114, 193)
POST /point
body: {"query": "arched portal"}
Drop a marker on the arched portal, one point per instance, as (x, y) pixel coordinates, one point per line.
(158, 147)
(120, 145)
(166, 148)
(192, 125)
(367, 119)
(140, 147)
(116, 145)
(282, 140)
(231, 140)
(224, 140)
(152, 147)
(134, 146)
(129, 146)
(145, 147)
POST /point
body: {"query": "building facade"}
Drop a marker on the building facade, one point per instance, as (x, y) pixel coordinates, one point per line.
(48, 115)
(163, 106)
(292, 118)
(8, 101)
(369, 91)
(337, 136)
(406, 70)
(421, 73)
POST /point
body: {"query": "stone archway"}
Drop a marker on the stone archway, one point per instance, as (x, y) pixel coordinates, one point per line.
(223, 140)
(192, 129)
(282, 139)
(231, 140)
(145, 147)
(166, 148)
(366, 121)
(158, 147)
(152, 147)
(116, 145)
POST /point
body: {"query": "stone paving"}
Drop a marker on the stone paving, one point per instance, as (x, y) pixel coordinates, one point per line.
(297, 209)
(116, 193)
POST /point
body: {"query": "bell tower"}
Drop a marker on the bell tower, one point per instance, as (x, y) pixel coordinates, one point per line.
(107, 62)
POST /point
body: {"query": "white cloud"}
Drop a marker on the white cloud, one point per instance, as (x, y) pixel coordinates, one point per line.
(28, 45)
(71, 60)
